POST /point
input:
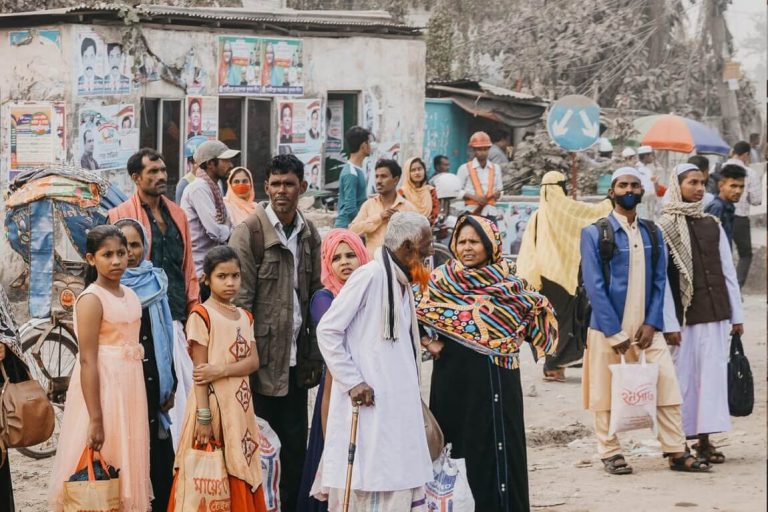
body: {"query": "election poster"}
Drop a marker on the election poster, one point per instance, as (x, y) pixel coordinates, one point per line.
(313, 169)
(33, 136)
(300, 126)
(512, 219)
(334, 126)
(108, 136)
(260, 66)
(202, 122)
(103, 67)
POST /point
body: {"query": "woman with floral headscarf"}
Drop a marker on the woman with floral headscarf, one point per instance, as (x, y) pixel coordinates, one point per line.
(479, 314)
(342, 253)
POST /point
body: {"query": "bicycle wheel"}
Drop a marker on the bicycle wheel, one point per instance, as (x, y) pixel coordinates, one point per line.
(58, 354)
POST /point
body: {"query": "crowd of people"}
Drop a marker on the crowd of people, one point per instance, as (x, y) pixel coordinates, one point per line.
(200, 316)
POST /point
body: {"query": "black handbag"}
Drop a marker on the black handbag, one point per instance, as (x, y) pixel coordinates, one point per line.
(741, 388)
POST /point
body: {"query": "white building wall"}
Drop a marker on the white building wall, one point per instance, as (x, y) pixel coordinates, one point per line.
(391, 70)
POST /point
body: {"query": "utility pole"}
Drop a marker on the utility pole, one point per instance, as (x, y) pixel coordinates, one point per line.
(729, 107)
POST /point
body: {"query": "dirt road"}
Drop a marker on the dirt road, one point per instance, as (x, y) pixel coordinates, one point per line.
(566, 475)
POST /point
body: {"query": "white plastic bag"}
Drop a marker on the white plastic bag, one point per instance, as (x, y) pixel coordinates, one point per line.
(449, 491)
(269, 446)
(633, 395)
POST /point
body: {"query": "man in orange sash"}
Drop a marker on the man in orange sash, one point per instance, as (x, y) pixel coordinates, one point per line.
(480, 179)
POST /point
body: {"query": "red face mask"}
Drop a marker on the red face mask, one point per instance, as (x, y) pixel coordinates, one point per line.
(241, 188)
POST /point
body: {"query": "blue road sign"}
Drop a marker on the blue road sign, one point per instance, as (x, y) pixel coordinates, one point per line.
(573, 122)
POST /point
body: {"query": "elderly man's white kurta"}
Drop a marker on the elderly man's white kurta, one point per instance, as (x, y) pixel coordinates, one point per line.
(392, 451)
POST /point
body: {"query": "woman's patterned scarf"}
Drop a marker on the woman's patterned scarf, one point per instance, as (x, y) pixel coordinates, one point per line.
(487, 309)
(675, 230)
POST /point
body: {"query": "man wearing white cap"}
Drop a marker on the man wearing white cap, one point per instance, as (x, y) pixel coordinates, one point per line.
(629, 157)
(624, 267)
(645, 159)
(203, 201)
(702, 308)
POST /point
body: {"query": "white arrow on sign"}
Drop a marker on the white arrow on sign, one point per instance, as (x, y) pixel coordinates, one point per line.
(560, 128)
(590, 129)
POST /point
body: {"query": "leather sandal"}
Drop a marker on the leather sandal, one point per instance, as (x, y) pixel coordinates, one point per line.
(709, 453)
(612, 468)
(679, 464)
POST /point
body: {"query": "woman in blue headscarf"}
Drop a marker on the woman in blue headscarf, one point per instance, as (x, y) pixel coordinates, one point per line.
(156, 336)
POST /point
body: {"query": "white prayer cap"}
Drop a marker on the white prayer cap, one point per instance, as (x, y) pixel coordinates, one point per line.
(626, 171)
(644, 150)
(628, 152)
(604, 145)
(682, 168)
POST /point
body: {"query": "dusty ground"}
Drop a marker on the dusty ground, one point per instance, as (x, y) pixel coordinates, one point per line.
(566, 476)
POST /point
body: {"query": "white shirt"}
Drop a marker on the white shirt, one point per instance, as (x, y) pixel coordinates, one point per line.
(392, 452)
(292, 244)
(467, 187)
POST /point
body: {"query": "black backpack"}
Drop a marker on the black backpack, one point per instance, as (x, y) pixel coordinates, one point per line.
(741, 388)
(606, 243)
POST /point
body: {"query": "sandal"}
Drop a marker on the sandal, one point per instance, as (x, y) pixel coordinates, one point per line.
(709, 453)
(612, 468)
(554, 375)
(679, 464)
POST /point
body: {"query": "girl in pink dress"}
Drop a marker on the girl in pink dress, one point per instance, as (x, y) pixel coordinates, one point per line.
(106, 406)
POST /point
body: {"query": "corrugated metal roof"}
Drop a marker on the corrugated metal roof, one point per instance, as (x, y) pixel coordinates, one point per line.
(347, 21)
(477, 88)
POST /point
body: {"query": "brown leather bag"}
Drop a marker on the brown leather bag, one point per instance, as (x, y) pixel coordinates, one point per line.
(435, 439)
(26, 414)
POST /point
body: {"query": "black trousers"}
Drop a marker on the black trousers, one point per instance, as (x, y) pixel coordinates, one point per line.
(742, 237)
(287, 415)
(6, 487)
(161, 458)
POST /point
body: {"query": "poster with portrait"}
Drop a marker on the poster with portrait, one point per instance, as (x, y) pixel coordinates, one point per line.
(201, 122)
(32, 136)
(107, 136)
(512, 219)
(334, 126)
(300, 127)
(260, 66)
(103, 68)
(313, 169)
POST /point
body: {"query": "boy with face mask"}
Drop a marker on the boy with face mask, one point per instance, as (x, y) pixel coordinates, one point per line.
(702, 307)
(627, 297)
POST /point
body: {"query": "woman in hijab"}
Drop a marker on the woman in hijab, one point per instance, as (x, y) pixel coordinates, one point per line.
(549, 260)
(12, 361)
(479, 315)
(416, 190)
(240, 195)
(702, 308)
(342, 253)
(156, 336)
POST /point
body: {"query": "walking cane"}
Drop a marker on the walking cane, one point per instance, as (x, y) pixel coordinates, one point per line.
(351, 456)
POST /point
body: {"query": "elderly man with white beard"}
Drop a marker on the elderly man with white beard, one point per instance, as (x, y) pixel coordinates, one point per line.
(369, 339)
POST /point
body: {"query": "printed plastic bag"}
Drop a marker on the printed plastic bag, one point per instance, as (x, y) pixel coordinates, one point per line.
(449, 491)
(202, 482)
(633, 395)
(99, 493)
(269, 445)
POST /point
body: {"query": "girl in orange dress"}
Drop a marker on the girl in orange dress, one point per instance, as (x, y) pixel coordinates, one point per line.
(106, 407)
(220, 406)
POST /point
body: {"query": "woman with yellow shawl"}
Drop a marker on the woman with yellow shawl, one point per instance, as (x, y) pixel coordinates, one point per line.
(240, 195)
(416, 190)
(549, 260)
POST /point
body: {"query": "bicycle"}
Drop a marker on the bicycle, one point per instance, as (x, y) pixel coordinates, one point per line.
(52, 344)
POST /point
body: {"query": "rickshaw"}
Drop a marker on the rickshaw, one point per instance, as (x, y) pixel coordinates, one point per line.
(48, 214)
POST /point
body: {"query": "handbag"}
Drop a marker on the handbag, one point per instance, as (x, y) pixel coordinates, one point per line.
(202, 483)
(97, 494)
(741, 388)
(26, 414)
